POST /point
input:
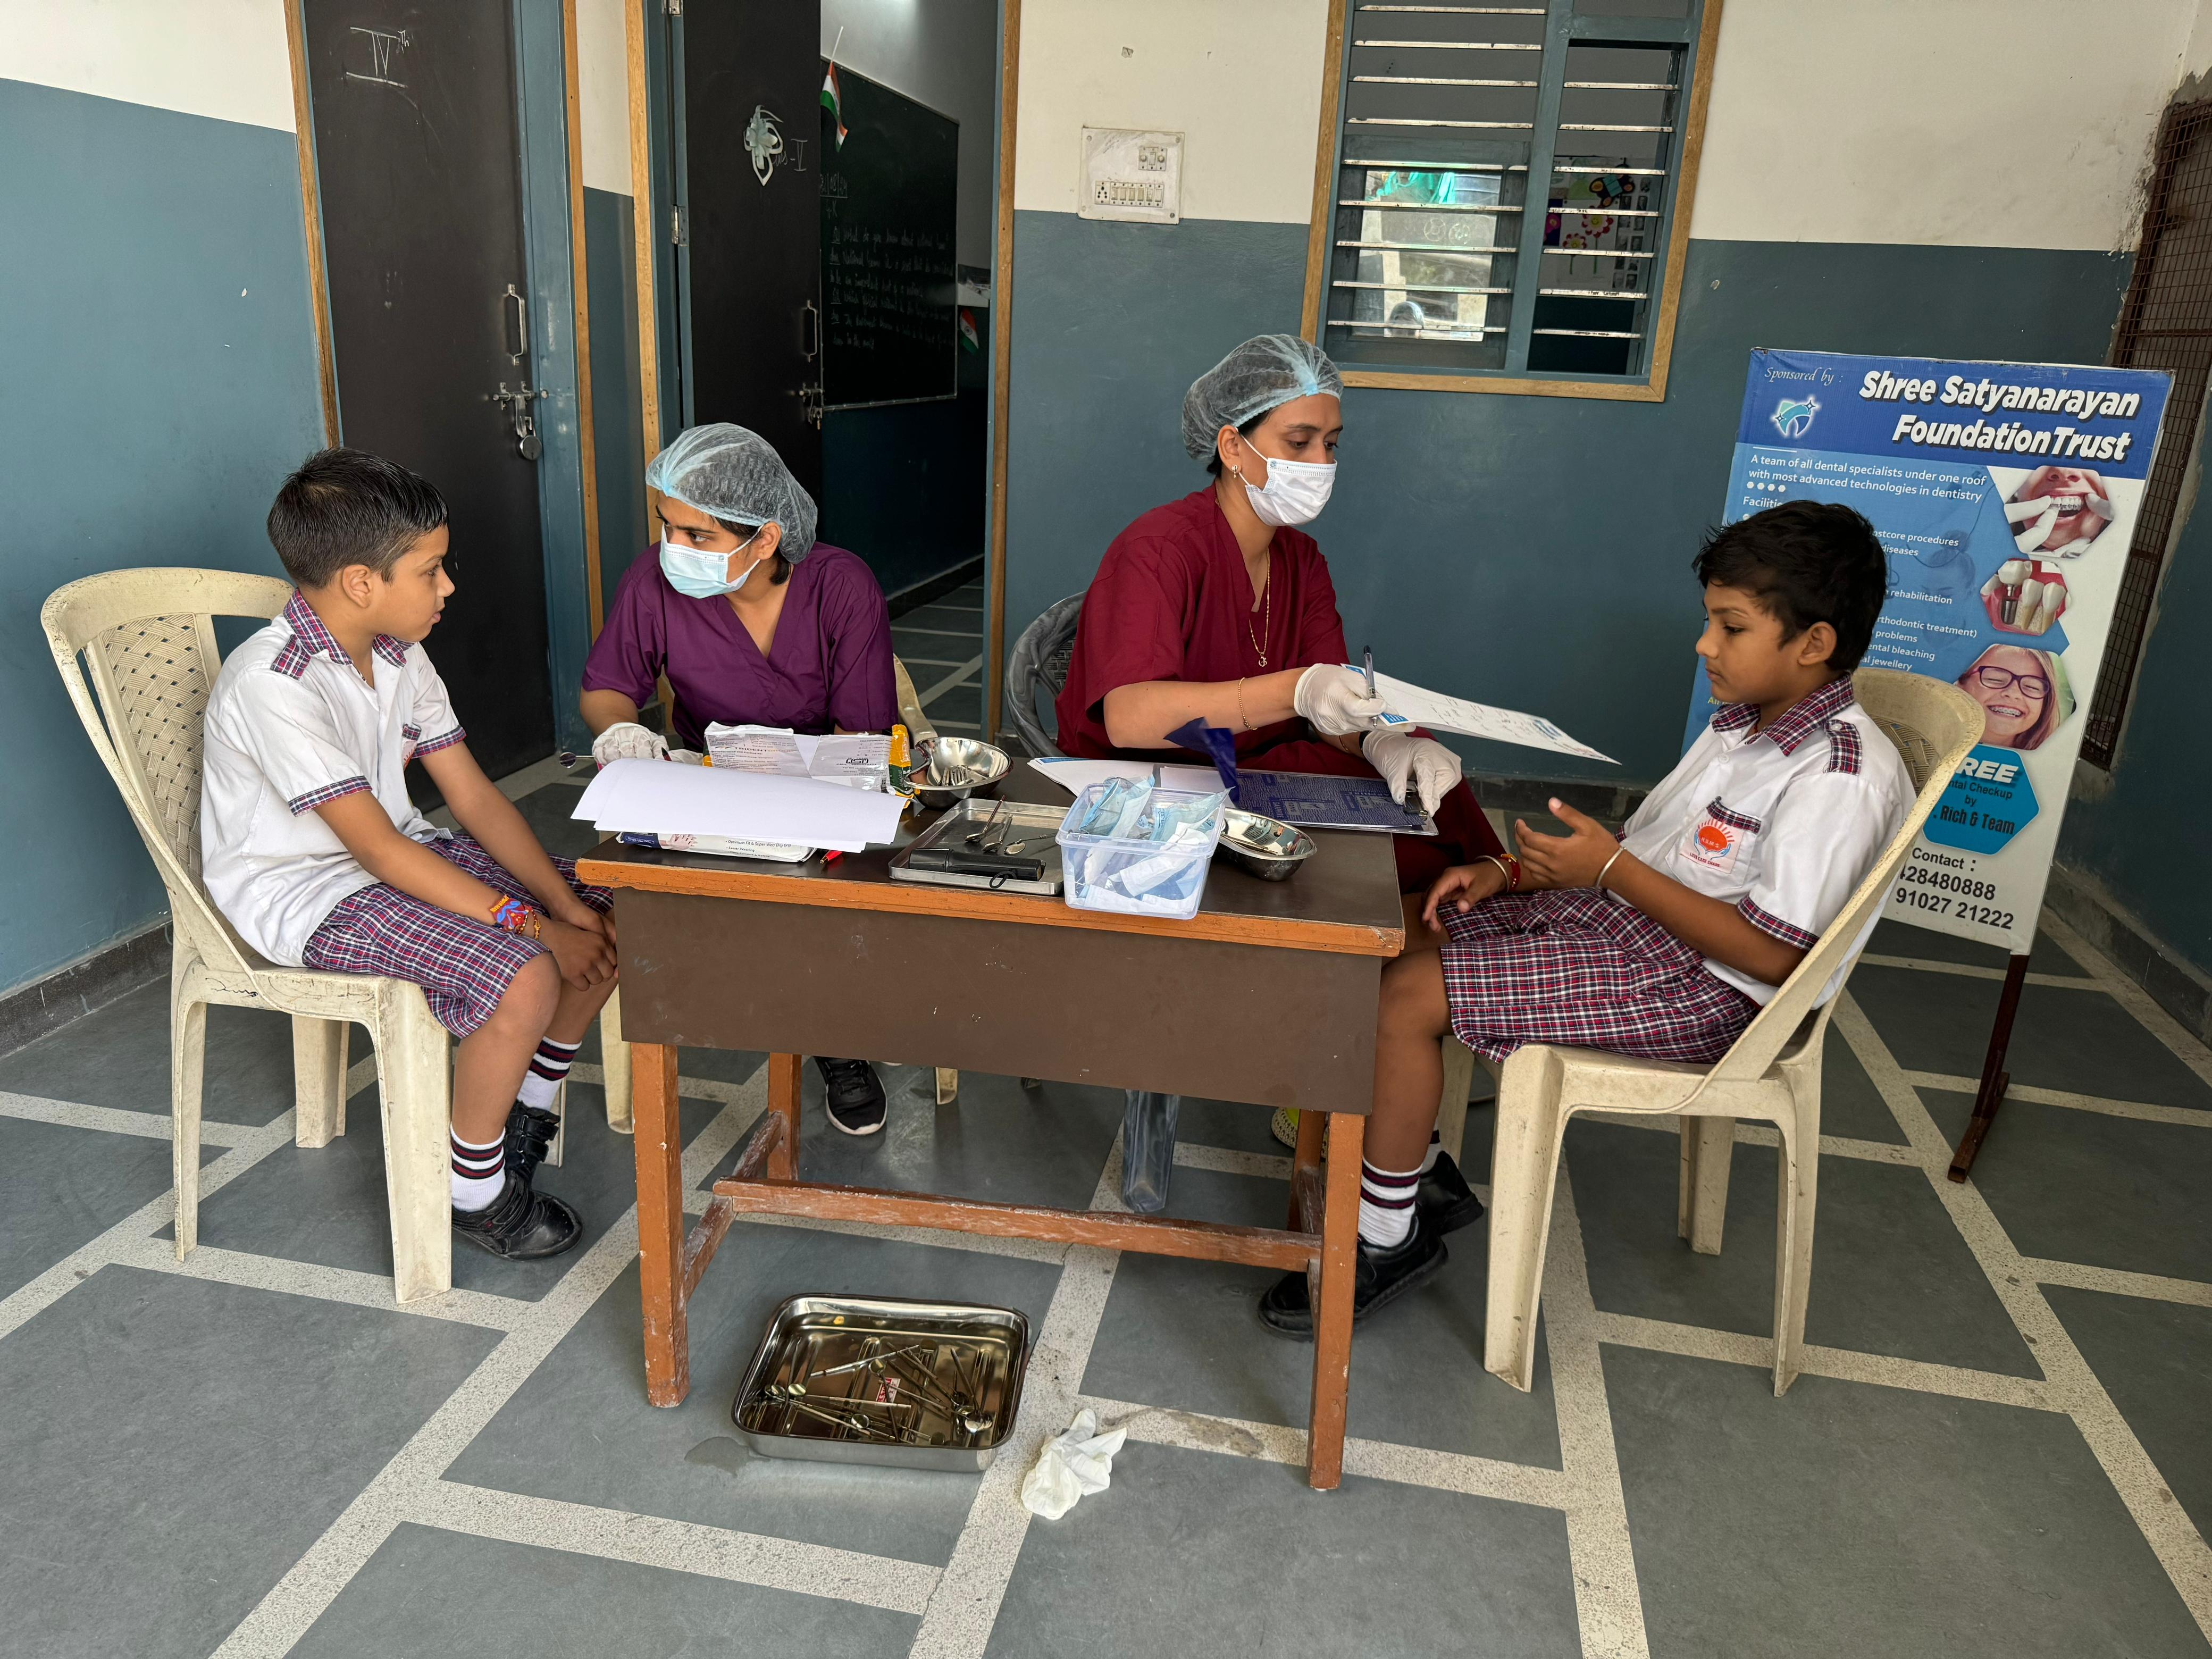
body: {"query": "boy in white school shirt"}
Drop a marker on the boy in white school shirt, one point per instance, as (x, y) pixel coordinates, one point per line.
(310, 847)
(1665, 942)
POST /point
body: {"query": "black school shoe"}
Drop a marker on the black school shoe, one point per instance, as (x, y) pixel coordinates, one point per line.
(1443, 1200)
(530, 1132)
(852, 1094)
(1382, 1277)
(520, 1225)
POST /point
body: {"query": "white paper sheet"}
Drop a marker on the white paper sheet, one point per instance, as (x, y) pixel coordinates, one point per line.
(1077, 775)
(1417, 706)
(652, 797)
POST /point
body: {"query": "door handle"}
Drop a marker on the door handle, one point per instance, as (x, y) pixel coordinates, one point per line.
(519, 332)
(813, 335)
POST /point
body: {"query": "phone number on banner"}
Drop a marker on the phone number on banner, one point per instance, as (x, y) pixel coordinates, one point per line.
(1947, 893)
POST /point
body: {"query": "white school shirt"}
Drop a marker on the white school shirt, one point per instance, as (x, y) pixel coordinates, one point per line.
(291, 725)
(1782, 824)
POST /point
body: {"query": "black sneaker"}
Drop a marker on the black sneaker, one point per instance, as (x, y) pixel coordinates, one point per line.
(530, 1132)
(1443, 1200)
(853, 1096)
(521, 1224)
(1382, 1277)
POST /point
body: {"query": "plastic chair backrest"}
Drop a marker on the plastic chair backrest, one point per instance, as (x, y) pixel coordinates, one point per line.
(1040, 657)
(148, 640)
(1933, 725)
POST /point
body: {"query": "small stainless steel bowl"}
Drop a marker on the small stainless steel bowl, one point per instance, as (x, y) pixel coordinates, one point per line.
(957, 767)
(1263, 847)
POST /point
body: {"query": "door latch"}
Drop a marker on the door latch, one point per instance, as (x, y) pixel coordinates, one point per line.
(522, 417)
(810, 402)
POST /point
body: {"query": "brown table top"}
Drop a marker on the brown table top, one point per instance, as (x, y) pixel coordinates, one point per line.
(1343, 900)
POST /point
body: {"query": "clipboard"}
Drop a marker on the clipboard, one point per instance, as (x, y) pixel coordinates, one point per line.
(1323, 800)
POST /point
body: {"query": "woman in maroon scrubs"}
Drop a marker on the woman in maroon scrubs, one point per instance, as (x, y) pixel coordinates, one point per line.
(1217, 607)
(753, 622)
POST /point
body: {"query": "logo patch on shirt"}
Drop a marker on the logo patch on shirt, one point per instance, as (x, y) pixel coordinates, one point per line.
(1719, 840)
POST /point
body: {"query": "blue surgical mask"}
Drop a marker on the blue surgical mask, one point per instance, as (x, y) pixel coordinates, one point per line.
(697, 574)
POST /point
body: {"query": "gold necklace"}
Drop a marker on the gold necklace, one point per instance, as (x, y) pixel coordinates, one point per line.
(1267, 621)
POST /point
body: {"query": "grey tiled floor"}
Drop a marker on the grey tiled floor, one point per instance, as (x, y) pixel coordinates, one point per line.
(942, 645)
(2000, 1444)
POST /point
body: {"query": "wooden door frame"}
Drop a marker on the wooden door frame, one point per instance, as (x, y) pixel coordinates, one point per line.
(649, 230)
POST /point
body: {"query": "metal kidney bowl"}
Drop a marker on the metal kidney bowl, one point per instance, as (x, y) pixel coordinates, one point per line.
(957, 767)
(1263, 847)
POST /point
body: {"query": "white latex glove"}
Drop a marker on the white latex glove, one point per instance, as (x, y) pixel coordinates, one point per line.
(1401, 757)
(627, 740)
(1071, 1466)
(1334, 700)
(689, 757)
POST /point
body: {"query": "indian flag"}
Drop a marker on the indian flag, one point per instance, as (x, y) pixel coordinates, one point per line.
(830, 101)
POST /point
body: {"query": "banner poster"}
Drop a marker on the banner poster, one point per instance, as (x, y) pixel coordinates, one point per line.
(2005, 495)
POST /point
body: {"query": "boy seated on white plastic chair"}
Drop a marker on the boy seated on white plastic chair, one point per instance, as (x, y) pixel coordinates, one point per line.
(312, 849)
(1665, 942)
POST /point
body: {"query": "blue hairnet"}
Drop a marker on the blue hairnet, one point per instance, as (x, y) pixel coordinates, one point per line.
(1258, 376)
(730, 473)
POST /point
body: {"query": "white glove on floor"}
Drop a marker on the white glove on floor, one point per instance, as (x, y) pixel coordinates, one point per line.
(1335, 699)
(627, 740)
(1071, 1466)
(1399, 756)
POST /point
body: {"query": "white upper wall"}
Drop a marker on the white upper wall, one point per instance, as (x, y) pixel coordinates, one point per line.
(603, 94)
(1960, 123)
(1239, 79)
(225, 58)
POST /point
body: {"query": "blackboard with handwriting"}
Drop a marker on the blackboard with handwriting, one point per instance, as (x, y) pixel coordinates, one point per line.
(890, 190)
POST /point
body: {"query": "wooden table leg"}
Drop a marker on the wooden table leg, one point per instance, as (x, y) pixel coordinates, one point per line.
(660, 1221)
(1340, 1232)
(1305, 1161)
(783, 1101)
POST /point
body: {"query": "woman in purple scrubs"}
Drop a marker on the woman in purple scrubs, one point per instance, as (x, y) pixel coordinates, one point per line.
(753, 622)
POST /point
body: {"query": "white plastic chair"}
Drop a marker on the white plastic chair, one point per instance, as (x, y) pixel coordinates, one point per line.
(1771, 1073)
(147, 640)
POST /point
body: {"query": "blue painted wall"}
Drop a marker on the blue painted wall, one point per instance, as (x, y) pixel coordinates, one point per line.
(1530, 551)
(2144, 835)
(159, 373)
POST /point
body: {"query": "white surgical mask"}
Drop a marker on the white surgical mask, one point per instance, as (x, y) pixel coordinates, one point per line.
(1295, 493)
(698, 574)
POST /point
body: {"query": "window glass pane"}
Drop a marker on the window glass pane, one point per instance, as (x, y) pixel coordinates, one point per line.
(1613, 161)
(1632, 8)
(1439, 108)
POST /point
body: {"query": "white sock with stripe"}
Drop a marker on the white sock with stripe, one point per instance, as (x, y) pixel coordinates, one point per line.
(548, 1069)
(478, 1171)
(1386, 1205)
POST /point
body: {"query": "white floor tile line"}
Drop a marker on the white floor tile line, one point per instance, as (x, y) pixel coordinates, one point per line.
(2187, 1117)
(109, 1119)
(1844, 1364)
(902, 626)
(1974, 970)
(2073, 1387)
(957, 678)
(652, 1541)
(288, 1278)
(2132, 997)
(1764, 1134)
(2114, 1281)
(957, 1624)
(1379, 1460)
(1608, 1601)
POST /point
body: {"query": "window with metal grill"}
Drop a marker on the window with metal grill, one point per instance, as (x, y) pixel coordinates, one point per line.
(1496, 195)
(2166, 322)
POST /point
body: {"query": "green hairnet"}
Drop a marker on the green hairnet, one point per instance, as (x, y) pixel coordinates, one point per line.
(1261, 374)
(730, 473)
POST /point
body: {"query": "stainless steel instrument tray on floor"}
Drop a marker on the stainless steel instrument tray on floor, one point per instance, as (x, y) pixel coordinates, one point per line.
(943, 1379)
(1029, 825)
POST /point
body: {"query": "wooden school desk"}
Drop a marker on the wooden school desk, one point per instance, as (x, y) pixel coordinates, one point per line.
(1267, 995)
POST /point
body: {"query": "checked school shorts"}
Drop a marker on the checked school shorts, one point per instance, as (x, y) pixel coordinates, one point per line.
(1572, 966)
(464, 967)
